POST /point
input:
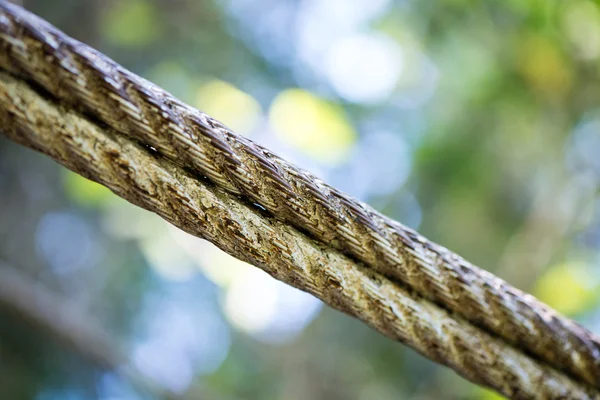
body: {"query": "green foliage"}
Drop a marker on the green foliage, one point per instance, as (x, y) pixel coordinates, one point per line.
(131, 23)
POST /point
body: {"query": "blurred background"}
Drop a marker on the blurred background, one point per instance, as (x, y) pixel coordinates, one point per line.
(475, 122)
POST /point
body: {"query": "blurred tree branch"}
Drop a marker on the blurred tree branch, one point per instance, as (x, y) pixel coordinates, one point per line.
(62, 321)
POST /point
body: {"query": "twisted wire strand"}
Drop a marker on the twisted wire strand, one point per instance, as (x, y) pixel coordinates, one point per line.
(81, 76)
(207, 211)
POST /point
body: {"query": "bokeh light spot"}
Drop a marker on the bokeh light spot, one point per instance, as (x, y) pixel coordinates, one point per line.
(166, 258)
(268, 309)
(251, 302)
(364, 68)
(582, 154)
(569, 288)
(230, 105)
(180, 343)
(66, 242)
(313, 125)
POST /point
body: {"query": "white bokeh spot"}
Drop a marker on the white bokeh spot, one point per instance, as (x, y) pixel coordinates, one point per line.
(364, 68)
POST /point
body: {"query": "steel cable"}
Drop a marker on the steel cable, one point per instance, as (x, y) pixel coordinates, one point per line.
(205, 210)
(87, 79)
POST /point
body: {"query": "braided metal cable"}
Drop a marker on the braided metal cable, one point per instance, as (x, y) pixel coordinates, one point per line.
(81, 76)
(205, 210)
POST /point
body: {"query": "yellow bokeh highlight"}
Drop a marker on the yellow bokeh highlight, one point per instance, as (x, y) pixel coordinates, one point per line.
(544, 67)
(84, 192)
(569, 288)
(233, 107)
(313, 125)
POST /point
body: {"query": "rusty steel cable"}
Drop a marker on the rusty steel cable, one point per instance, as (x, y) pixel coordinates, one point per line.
(203, 209)
(87, 79)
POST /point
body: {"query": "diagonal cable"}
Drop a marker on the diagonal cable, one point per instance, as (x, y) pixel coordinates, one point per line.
(205, 210)
(83, 77)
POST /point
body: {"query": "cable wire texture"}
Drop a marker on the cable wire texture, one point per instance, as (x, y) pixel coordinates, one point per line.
(206, 210)
(86, 79)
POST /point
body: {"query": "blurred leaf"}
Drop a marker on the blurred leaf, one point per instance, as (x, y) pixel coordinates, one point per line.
(131, 23)
(313, 125)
